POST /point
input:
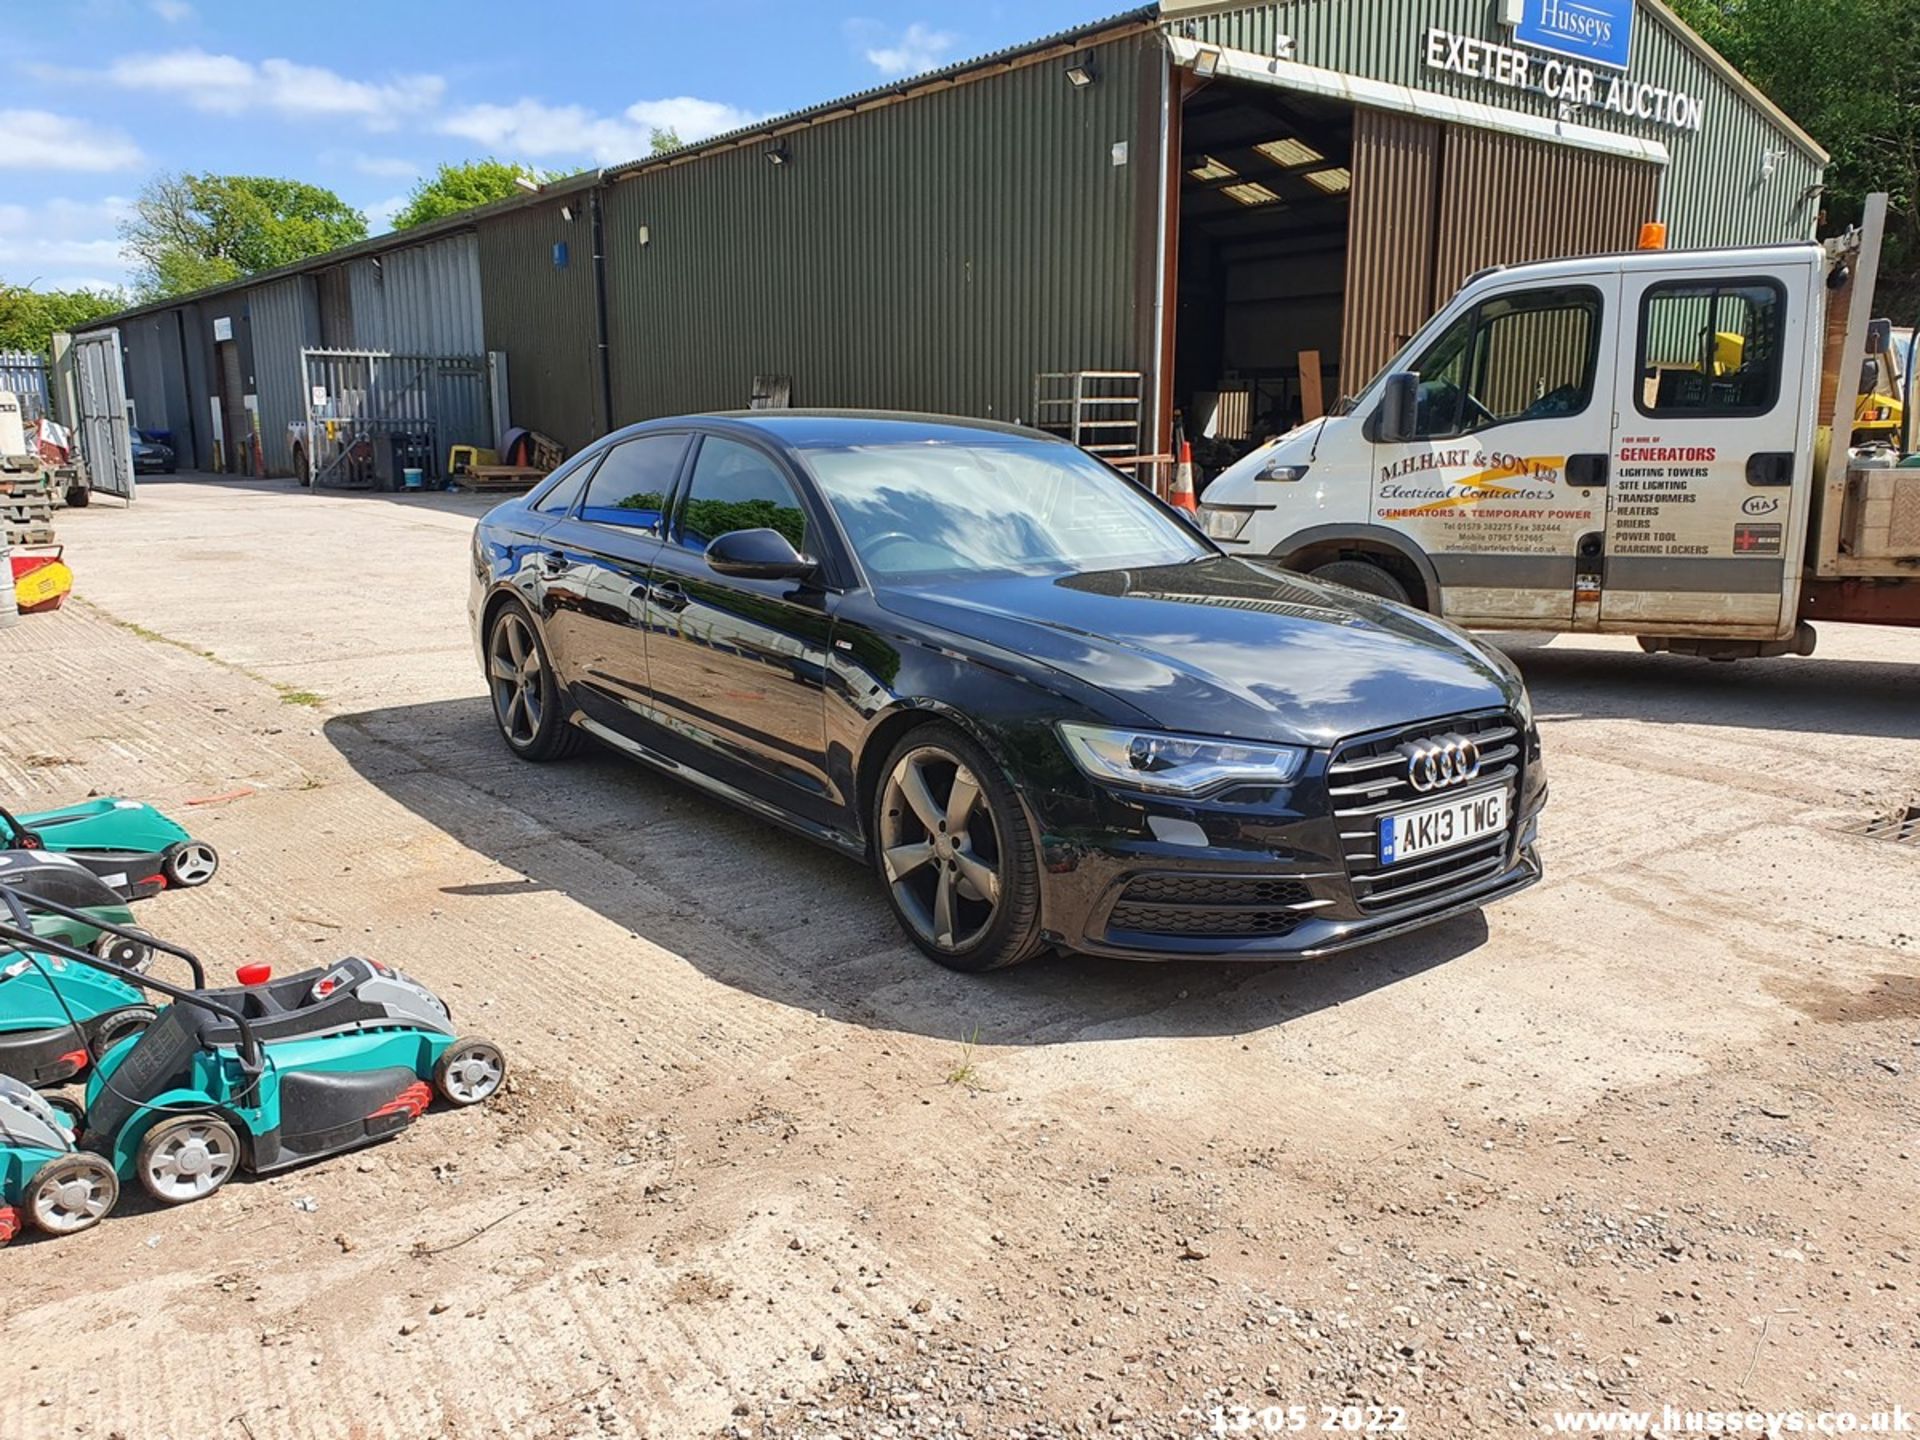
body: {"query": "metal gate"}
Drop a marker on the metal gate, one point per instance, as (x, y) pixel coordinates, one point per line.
(370, 414)
(24, 374)
(97, 390)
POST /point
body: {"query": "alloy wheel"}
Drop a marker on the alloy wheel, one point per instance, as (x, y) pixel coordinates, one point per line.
(513, 668)
(940, 847)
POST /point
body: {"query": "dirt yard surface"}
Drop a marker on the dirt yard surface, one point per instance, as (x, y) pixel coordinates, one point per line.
(1644, 1136)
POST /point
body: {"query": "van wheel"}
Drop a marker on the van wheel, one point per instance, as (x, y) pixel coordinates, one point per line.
(1364, 576)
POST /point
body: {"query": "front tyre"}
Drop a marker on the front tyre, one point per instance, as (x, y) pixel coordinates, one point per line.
(72, 1193)
(470, 1072)
(526, 698)
(189, 863)
(953, 849)
(1366, 577)
(187, 1158)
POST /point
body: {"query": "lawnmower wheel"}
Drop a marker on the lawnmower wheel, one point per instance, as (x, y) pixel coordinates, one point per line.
(72, 1193)
(134, 955)
(470, 1072)
(118, 1025)
(78, 496)
(72, 1113)
(190, 863)
(187, 1158)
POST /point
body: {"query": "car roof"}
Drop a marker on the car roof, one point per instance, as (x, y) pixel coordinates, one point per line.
(804, 429)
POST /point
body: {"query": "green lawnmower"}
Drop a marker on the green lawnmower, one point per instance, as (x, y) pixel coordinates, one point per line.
(127, 843)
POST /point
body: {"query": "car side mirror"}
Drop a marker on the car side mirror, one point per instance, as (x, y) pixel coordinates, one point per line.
(1397, 418)
(757, 555)
(1879, 336)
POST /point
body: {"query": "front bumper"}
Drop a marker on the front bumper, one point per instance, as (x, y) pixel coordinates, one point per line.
(1257, 875)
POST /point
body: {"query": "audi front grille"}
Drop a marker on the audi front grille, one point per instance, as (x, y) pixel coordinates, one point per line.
(1368, 777)
(1188, 906)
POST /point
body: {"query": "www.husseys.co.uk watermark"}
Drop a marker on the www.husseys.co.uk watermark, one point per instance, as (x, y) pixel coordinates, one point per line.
(1670, 1420)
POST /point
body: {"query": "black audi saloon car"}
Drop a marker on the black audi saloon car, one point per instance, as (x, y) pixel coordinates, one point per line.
(1038, 702)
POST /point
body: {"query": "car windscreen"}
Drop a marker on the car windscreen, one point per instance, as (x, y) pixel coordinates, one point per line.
(924, 510)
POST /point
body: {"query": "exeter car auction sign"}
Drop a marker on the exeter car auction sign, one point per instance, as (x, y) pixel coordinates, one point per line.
(1599, 32)
(1574, 87)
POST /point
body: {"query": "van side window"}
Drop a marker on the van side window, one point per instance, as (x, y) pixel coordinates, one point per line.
(1526, 356)
(1711, 347)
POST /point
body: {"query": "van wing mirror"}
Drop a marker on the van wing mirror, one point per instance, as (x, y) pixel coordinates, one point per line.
(1879, 336)
(1396, 419)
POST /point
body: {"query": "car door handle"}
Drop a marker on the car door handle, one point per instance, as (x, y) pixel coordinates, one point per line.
(1770, 467)
(551, 565)
(668, 595)
(1586, 470)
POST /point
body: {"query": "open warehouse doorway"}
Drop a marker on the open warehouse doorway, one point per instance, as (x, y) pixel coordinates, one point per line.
(1264, 189)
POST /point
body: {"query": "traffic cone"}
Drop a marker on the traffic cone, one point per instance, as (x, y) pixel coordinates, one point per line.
(1182, 497)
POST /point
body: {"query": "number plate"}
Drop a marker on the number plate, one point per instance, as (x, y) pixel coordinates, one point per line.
(1406, 834)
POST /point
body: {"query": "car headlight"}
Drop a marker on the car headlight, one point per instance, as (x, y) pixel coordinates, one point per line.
(1223, 522)
(1176, 764)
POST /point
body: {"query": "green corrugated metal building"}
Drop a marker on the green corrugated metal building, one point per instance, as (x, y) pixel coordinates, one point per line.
(1226, 212)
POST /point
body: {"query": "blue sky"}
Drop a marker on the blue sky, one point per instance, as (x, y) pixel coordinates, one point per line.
(362, 98)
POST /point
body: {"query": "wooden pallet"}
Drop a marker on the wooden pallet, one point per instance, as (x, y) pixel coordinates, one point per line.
(19, 535)
(500, 477)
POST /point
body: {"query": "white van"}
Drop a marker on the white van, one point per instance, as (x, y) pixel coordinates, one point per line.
(1622, 443)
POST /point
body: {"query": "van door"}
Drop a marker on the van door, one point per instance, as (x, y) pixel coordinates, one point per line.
(1707, 450)
(1506, 479)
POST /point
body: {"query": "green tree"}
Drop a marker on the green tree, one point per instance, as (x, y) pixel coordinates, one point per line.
(188, 231)
(28, 317)
(1850, 75)
(665, 138)
(472, 183)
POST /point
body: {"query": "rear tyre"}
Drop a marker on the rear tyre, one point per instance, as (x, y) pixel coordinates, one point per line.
(73, 1115)
(72, 1193)
(470, 1072)
(112, 1028)
(134, 955)
(527, 705)
(1364, 576)
(953, 849)
(187, 1158)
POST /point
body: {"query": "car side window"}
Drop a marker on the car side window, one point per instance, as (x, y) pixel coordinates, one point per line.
(736, 487)
(1711, 347)
(1532, 355)
(558, 498)
(630, 487)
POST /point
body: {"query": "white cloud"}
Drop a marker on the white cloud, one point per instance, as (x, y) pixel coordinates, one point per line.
(172, 11)
(228, 85)
(381, 212)
(911, 51)
(689, 118)
(63, 244)
(41, 140)
(531, 128)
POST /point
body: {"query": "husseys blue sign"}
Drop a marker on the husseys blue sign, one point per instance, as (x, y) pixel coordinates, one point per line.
(1599, 32)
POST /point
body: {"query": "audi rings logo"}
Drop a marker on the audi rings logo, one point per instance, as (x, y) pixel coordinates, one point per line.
(1441, 763)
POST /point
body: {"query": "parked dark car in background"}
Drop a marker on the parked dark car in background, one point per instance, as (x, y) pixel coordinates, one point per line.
(1047, 710)
(150, 457)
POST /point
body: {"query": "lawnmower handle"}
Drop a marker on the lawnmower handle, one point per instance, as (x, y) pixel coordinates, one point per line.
(54, 907)
(18, 836)
(19, 932)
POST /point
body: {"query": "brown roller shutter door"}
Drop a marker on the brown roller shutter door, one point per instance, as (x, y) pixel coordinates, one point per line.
(1433, 203)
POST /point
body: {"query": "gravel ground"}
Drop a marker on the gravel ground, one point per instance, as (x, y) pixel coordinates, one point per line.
(1645, 1135)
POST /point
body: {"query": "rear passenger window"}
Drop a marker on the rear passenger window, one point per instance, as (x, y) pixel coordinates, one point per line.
(559, 496)
(630, 487)
(1711, 347)
(735, 487)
